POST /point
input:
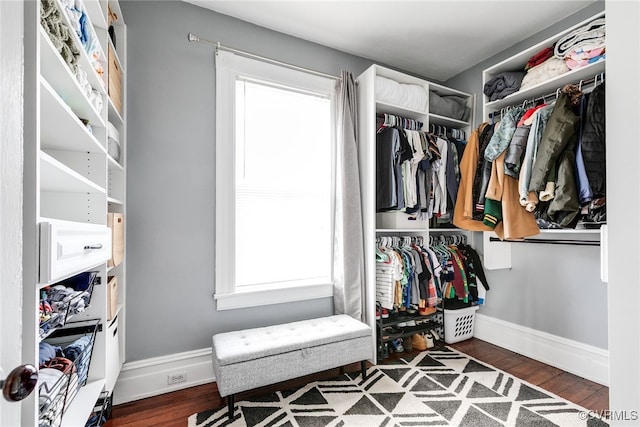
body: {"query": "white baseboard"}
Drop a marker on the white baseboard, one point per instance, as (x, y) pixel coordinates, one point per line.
(577, 358)
(146, 378)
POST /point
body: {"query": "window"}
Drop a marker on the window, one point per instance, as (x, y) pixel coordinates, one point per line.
(274, 183)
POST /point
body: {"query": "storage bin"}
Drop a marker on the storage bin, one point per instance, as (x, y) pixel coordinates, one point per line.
(115, 221)
(458, 324)
(112, 297)
(399, 220)
(115, 80)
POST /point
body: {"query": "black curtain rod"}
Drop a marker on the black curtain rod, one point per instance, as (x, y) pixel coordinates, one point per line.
(550, 241)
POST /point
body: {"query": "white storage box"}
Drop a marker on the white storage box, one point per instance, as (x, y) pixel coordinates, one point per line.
(458, 324)
(399, 220)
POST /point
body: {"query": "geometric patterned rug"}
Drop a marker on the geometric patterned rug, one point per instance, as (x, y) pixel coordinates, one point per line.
(434, 388)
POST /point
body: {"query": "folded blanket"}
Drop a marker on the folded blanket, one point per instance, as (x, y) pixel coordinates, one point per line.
(580, 58)
(503, 84)
(591, 35)
(449, 106)
(409, 96)
(549, 69)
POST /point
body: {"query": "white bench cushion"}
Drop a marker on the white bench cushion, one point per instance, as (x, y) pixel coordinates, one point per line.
(250, 344)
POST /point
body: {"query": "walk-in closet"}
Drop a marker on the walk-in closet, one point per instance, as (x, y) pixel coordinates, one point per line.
(477, 187)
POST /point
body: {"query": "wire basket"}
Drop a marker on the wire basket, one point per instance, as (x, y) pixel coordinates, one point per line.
(61, 378)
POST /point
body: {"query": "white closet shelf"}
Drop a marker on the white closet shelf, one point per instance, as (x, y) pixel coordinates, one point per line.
(595, 231)
(64, 83)
(384, 107)
(95, 80)
(436, 119)
(443, 90)
(82, 405)
(57, 177)
(114, 165)
(76, 136)
(402, 230)
(114, 201)
(114, 115)
(573, 76)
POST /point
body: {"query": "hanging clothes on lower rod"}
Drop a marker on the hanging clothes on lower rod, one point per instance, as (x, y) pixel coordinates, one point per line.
(412, 276)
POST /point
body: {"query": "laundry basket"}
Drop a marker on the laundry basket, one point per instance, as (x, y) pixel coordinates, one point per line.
(458, 324)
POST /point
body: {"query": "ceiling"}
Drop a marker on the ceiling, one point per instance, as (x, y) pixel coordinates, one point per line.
(436, 39)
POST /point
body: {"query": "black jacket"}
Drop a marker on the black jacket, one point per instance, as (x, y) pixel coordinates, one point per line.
(593, 141)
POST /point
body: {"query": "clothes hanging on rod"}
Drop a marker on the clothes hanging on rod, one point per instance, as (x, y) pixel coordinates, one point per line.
(391, 120)
(417, 171)
(413, 276)
(546, 163)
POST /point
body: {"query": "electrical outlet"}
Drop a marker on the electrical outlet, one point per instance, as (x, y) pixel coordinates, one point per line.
(177, 377)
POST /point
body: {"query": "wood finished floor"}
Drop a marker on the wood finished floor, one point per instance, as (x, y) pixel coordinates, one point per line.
(173, 409)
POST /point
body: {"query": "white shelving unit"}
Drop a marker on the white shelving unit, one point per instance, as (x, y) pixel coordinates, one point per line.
(71, 183)
(368, 107)
(497, 255)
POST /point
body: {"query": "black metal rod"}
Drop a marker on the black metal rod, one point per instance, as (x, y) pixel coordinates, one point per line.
(550, 241)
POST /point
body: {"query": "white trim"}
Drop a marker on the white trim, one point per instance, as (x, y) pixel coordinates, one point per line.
(577, 358)
(272, 296)
(148, 377)
(229, 68)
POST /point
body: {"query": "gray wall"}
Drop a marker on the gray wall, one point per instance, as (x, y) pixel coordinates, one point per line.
(551, 288)
(170, 182)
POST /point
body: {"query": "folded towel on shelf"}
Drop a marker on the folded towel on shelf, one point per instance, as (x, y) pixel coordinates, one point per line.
(587, 37)
(503, 84)
(579, 58)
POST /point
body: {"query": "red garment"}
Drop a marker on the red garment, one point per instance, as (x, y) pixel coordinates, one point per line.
(539, 57)
(529, 113)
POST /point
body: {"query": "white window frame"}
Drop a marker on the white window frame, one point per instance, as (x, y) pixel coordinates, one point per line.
(229, 67)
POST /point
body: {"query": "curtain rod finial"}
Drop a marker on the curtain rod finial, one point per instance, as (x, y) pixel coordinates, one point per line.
(193, 38)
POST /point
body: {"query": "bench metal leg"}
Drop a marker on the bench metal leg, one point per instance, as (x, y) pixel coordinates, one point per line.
(230, 405)
(363, 368)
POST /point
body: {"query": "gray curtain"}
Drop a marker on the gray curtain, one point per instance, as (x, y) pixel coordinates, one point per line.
(348, 292)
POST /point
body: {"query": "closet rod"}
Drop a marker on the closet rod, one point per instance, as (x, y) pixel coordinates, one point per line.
(550, 241)
(594, 79)
(193, 38)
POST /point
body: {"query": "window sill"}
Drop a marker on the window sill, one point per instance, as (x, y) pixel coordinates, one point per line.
(272, 296)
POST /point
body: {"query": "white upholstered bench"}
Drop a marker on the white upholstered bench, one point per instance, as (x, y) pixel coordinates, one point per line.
(252, 358)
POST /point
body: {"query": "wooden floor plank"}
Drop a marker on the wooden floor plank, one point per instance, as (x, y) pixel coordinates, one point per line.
(173, 409)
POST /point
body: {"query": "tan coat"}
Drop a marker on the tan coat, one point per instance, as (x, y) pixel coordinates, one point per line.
(463, 211)
(516, 222)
